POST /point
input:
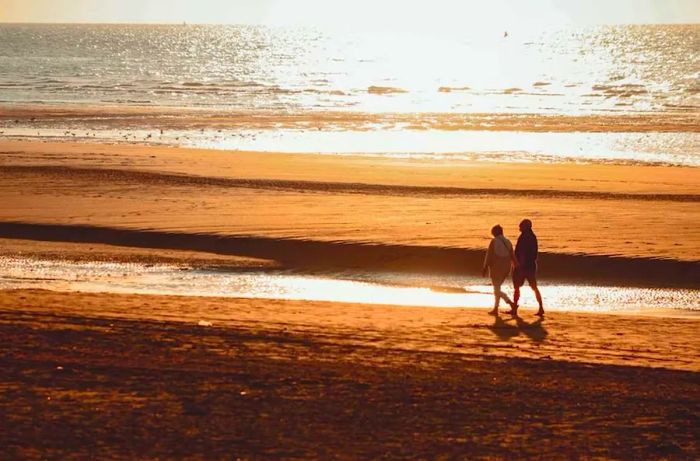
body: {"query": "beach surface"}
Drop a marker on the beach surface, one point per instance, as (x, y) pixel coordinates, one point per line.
(633, 211)
(104, 375)
(125, 375)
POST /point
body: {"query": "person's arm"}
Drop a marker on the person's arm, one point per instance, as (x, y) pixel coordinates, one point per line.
(517, 254)
(487, 259)
(531, 249)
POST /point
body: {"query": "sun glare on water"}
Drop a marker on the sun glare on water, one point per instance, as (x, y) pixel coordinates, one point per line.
(423, 290)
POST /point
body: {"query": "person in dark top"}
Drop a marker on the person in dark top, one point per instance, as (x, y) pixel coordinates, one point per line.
(526, 265)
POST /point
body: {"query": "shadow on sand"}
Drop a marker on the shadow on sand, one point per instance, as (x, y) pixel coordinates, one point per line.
(514, 326)
(325, 255)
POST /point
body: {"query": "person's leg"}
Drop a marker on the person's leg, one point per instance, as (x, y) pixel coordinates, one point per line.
(532, 281)
(496, 295)
(504, 296)
(516, 290)
(497, 281)
(517, 283)
(497, 278)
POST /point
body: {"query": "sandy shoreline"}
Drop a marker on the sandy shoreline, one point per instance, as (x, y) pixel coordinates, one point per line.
(211, 250)
(334, 198)
(623, 179)
(123, 375)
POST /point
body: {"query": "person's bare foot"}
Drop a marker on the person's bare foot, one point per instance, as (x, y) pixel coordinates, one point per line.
(493, 311)
(540, 313)
(513, 310)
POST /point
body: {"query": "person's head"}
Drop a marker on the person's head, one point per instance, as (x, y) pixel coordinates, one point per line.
(525, 225)
(496, 230)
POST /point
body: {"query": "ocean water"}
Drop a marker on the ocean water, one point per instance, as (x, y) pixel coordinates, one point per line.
(613, 69)
(441, 96)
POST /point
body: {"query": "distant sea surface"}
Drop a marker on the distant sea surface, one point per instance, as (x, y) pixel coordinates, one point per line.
(624, 68)
(611, 71)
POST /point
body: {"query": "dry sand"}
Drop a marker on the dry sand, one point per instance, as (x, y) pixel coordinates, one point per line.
(97, 375)
(591, 209)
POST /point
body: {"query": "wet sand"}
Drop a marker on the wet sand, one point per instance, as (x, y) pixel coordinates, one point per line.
(97, 375)
(305, 255)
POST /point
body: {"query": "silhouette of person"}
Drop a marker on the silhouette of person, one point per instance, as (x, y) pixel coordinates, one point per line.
(526, 265)
(498, 262)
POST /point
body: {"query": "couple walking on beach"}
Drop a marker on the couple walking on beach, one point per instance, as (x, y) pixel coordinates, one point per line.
(500, 258)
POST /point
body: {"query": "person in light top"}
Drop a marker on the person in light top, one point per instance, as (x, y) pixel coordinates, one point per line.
(498, 262)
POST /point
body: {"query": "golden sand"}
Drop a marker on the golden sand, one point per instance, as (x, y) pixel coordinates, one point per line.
(593, 209)
(157, 376)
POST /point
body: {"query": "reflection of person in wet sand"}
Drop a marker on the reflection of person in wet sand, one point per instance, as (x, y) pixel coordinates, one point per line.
(526, 265)
(498, 261)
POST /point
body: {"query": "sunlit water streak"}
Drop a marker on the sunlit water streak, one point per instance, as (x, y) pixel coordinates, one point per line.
(642, 148)
(376, 288)
(502, 146)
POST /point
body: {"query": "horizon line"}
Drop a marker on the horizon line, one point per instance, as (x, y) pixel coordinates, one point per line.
(172, 23)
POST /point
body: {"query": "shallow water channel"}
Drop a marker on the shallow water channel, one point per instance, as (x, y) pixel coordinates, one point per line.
(351, 286)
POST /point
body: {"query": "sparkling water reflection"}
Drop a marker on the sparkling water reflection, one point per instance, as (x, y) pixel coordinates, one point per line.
(622, 68)
(498, 146)
(377, 288)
